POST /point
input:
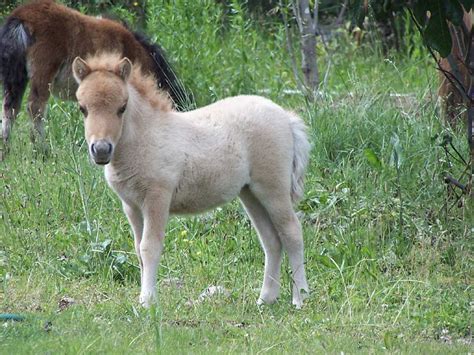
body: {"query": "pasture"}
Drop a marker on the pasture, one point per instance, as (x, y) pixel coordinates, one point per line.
(389, 256)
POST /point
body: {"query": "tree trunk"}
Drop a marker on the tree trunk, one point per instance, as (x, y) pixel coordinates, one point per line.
(307, 19)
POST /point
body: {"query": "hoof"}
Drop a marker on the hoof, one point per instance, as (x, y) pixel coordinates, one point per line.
(266, 300)
(147, 300)
(299, 297)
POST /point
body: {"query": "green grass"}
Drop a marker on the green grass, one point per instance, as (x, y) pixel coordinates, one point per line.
(386, 274)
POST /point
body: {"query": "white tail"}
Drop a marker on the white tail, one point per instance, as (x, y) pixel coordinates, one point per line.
(300, 157)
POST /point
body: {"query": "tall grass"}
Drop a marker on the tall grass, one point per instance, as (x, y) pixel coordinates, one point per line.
(385, 272)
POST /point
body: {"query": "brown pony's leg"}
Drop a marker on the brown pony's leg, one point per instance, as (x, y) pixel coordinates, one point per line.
(41, 78)
(12, 96)
(37, 100)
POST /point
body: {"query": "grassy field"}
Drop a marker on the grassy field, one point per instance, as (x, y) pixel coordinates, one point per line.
(389, 266)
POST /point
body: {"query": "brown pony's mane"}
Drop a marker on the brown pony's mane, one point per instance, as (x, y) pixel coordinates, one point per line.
(145, 84)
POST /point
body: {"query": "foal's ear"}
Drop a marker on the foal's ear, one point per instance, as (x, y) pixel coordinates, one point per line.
(80, 69)
(124, 68)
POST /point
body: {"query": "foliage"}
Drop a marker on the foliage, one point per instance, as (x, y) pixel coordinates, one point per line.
(432, 16)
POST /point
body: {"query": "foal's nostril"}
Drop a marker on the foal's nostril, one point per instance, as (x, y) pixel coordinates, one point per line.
(93, 148)
(110, 148)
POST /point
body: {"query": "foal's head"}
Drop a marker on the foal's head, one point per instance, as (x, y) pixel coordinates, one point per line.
(102, 97)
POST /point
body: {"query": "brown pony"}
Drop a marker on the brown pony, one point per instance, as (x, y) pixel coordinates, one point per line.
(39, 41)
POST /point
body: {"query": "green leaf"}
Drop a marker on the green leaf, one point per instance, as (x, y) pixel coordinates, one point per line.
(326, 261)
(437, 34)
(372, 158)
(121, 258)
(396, 158)
(388, 340)
(323, 199)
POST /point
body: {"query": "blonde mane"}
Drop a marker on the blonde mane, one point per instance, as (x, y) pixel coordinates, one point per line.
(144, 84)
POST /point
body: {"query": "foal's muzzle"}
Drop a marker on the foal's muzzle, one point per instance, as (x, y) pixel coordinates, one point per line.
(101, 151)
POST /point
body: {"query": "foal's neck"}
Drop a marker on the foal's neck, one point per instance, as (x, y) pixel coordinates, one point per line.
(138, 115)
(139, 120)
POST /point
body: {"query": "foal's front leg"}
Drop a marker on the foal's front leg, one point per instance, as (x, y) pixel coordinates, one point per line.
(135, 218)
(155, 215)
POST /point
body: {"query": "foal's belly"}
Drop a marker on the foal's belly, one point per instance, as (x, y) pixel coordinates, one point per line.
(211, 179)
(201, 199)
(202, 195)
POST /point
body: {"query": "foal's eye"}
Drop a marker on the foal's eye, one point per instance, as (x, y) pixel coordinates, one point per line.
(83, 110)
(122, 109)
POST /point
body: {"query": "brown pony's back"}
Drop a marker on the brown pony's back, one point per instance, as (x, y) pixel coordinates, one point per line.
(60, 32)
(38, 43)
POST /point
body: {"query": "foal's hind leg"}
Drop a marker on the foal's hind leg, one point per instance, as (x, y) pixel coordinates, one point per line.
(271, 245)
(279, 207)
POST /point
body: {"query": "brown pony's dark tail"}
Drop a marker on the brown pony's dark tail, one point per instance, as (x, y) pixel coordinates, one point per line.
(166, 76)
(14, 41)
